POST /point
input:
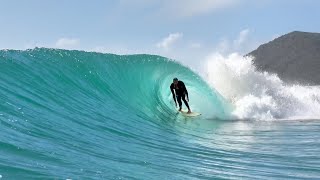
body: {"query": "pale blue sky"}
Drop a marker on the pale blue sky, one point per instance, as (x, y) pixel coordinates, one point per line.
(181, 29)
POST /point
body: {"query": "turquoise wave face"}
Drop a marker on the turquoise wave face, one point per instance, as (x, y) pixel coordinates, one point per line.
(92, 81)
(79, 115)
(50, 97)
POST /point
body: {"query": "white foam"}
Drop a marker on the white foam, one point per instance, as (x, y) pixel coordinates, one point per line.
(257, 95)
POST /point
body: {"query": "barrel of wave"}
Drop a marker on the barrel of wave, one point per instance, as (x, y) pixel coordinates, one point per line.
(203, 98)
(148, 78)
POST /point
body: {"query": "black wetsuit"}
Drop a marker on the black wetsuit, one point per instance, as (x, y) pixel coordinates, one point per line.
(181, 92)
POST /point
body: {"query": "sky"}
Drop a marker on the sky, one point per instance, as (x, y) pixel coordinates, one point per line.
(186, 30)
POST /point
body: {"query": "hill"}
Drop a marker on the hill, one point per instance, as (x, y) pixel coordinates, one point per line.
(295, 57)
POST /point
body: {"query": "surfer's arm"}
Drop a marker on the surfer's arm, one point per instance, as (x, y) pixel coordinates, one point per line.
(185, 91)
(173, 95)
(187, 94)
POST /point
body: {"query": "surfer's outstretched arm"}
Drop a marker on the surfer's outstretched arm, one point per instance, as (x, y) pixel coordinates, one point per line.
(185, 91)
(187, 94)
(173, 95)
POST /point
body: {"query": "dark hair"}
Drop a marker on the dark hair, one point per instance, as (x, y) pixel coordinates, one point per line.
(175, 79)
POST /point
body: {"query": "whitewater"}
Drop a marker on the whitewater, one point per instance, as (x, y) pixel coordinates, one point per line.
(86, 115)
(260, 95)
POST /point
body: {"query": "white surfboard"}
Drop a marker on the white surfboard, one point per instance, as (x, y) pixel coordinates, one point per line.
(192, 114)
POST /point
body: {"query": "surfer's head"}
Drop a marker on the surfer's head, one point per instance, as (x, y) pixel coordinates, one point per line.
(175, 80)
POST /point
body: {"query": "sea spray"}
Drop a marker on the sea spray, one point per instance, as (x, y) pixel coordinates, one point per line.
(259, 95)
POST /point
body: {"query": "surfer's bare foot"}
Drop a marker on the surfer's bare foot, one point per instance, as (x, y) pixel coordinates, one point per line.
(189, 112)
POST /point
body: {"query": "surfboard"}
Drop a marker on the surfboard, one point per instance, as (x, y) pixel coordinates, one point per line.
(192, 114)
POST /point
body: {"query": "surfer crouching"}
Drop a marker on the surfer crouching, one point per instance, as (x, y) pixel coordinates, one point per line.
(181, 93)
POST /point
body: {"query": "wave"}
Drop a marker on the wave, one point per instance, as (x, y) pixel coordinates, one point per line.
(259, 95)
(62, 82)
(84, 115)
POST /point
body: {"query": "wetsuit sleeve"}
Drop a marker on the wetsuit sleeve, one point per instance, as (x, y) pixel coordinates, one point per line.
(185, 90)
(173, 95)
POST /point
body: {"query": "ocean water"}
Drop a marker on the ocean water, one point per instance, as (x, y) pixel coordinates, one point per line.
(85, 115)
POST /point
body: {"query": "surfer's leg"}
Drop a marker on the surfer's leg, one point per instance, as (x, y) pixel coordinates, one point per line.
(186, 102)
(179, 102)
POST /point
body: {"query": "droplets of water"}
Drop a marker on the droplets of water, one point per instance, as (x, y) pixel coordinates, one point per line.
(257, 95)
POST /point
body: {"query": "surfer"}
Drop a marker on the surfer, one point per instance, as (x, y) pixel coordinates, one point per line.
(181, 93)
